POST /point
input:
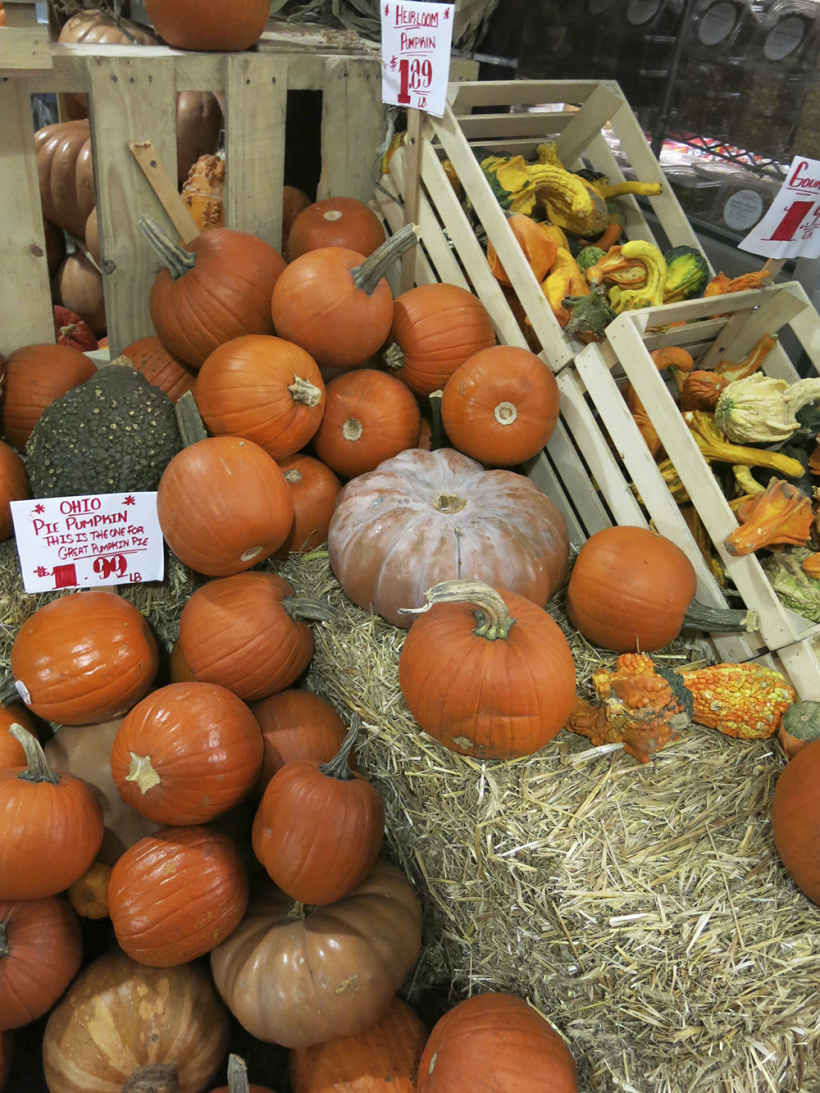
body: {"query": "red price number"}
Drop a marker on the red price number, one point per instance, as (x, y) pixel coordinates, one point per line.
(415, 75)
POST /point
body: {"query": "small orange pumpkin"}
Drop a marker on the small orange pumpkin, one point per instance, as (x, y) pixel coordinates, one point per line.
(297, 725)
(11, 750)
(13, 486)
(89, 895)
(336, 222)
(313, 489)
(33, 377)
(161, 368)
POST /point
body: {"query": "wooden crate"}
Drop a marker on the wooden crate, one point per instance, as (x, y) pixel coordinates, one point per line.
(457, 257)
(631, 338)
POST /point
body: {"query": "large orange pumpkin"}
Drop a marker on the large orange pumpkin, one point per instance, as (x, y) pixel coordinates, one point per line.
(11, 750)
(264, 389)
(83, 658)
(13, 486)
(500, 406)
(630, 589)
(187, 753)
(33, 377)
(336, 222)
(436, 328)
(161, 368)
(369, 417)
(796, 819)
(41, 949)
(206, 296)
(497, 1043)
(66, 174)
(313, 489)
(175, 895)
(296, 725)
(78, 286)
(209, 25)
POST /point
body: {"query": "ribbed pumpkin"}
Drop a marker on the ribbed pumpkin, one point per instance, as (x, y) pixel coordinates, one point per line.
(297, 725)
(207, 295)
(161, 368)
(385, 1056)
(264, 389)
(187, 753)
(208, 25)
(245, 633)
(516, 701)
(33, 377)
(180, 669)
(313, 489)
(71, 330)
(436, 328)
(177, 894)
(501, 406)
(369, 417)
(14, 487)
(336, 304)
(83, 658)
(89, 895)
(336, 222)
(11, 750)
(78, 286)
(66, 174)
(40, 953)
(98, 28)
(497, 1043)
(92, 236)
(796, 819)
(629, 590)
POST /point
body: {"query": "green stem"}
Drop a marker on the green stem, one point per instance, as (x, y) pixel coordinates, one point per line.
(438, 437)
(157, 1078)
(721, 620)
(37, 769)
(178, 260)
(9, 693)
(302, 607)
(370, 272)
(493, 620)
(393, 356)
(339, 766)
(191, 427)
(237, 1075)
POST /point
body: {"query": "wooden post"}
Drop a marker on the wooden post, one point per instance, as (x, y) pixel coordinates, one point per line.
(412, 183)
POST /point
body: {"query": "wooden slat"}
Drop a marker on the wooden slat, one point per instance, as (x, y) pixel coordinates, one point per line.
(525, 92)
(806, 325)
(389, 205)
(800, 663)
(411, 189)
(775, 312)
(717, 351)
(353, 127)
(601, 159)
(26, 317)
(256, 94)
(690, 337)
(160, 181)
(540, 470)
(24, 51)
(602, 105)
(575, 477)
(501, 126)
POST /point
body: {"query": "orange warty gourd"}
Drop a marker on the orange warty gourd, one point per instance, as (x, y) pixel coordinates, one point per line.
(369, 417)
(336, 304)
(297, 725)
(13, 486)
(313, 489)
(187, 753)
(40, 953)
(629, 590)
(796, 819)
(264, 389)
(86, 657)
(524, 690)
(336, 222)
(497, 1043)
(436, 328)
(177, 894)
(213, 25)
(11, 750)
(500, 406)
(160, 367)
(33, 378)
(89, 895)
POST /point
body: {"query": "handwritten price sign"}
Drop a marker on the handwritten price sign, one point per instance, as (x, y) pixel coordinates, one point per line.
(791, 227)
(80, 542)
(416, 40)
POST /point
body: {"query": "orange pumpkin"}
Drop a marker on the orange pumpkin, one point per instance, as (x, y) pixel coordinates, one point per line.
(796, 819)
(180, 669)
(11, 750)
(89, 895)
(313, 489)
(33, 377)
(369, 417)
(539, 249)
(336, 222)
(501, 406)
(220, 25)
(293, 203)
(436, 328)
(161, 368)
(78, 286)
(264, 389)
(83, 658)
(13, 486)
(297, 725)
(71, 330)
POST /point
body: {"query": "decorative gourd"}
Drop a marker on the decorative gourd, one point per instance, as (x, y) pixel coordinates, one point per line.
(497, 1043)
(246, 633)
(161, 368)
(264, 389)
(41, 949)
(83, 658)
(175, 895)
(524, 691)
(426, 517)
(313, 490)
(92, 236)
(55, 246)
(72, 330)
(89, 895)
(436, 328)
(796, 819)
(78, 286)
(319, 827)
(33, 377)
(187, 753)
(199, 120)
(66, 174)
(384, 1056)
(335, 222)
(336, 304)
(299, 979)
(742, 700)
(799, 727)
(222, 25)
(369, 417)
(297, 725)
(51, 827)
(539, 249)
(501, 406)
(204, 192)
(14, 487)
(152, 1016)
(205, 297)
(781, 514)
(12, 753)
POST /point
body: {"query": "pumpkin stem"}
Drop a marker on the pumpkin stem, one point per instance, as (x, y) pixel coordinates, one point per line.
(393, 356)
(4, 944)
(37, 769)
(438, 437)
(505, 413)
(237, 1075)
(9, 692)
(178, 260)
(339, 765)
(721, 619)
(142, 772)
(493, 620)
(293, 475)
(302, 607)
(156, 1078)
(191, 427)
(370, 272)
(352, 429)
(305, 391)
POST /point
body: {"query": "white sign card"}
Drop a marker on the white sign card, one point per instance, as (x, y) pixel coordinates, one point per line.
(83, 542)
(416, 40)
(791, 227)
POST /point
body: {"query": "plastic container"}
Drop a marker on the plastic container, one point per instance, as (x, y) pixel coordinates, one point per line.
(742, 200)
(646, 32)
(694, 188)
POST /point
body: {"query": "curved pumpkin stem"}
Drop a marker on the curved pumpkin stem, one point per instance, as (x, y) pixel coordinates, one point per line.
(438, 437)
(178, 260)
(308, 610)
(393, 356)
(37, 769)
(494, 621)
(304, 391)
(191, 426)
(237, 1075)
(370, 272)
(156, 1078)
(339, 765)
(725, 620)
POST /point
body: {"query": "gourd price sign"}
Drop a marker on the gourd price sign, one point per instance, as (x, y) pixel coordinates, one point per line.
(82, 542)
(416, 41)
(791, 227)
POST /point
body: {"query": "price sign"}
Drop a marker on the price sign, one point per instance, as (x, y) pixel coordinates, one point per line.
(81, 542)
(416, 41)
(791, 227)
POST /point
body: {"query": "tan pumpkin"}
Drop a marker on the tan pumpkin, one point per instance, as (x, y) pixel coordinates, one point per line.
(34, 377)
(66, 175)
(92, 236)
(79, 287)
(13, 486)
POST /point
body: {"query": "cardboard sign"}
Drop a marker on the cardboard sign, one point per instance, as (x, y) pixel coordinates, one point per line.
(80, 542)
(416, 41)
(791, 227)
